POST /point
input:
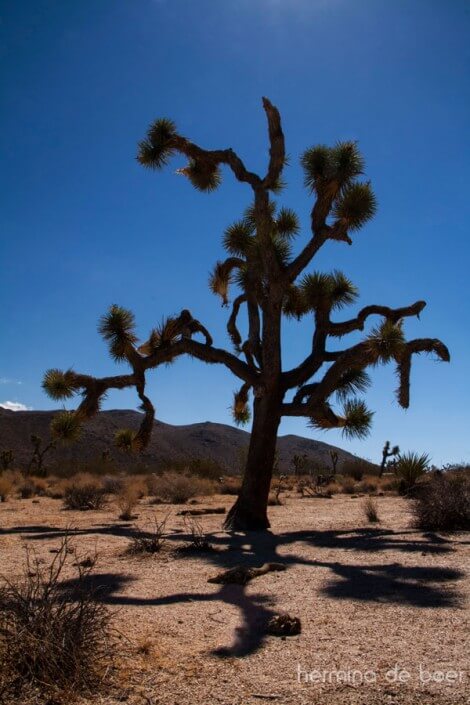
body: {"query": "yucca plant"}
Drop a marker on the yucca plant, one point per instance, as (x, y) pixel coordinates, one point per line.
(261, 279)
(409, 468)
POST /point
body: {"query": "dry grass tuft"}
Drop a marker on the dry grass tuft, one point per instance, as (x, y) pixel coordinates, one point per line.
(176, 488)
(370, 508)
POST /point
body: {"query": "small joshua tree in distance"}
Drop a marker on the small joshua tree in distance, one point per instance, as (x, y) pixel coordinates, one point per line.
(386, 454)
(271, 283)
(6, 459)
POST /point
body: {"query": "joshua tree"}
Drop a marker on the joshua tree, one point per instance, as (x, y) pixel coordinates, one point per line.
(267, 274)
(386, 454)
(36, 464)
(6, 459)
(334, 460)
(299, 464)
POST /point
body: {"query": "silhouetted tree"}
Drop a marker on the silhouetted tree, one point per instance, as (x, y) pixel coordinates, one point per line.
(36, 464)
(268, 276)
(386, 454)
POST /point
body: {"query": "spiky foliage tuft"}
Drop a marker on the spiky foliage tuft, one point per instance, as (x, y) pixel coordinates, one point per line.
(316, 165)
(203, 176)
(340, 164)
(351, 382)
(59, 385)
(219, 281)
(117, 328)
(386, 341)
(358, 419)
(238, 238)
(346, 162)
(410, 467)
(66, 427)
(163, 336)
(356, 205)
(287, 223)
(343, 291)
(156, 149)
(294, 305)
(240, 409)
(327, 291)
(124, 439)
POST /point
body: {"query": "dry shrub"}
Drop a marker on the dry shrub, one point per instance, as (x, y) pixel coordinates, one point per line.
(128, 498)
(230, 485)
(368, 484)
(389, 483)
(347, 485)
(151, 541)
(32, 487)
(112, 485)
(370, 508)
(6, 488)
(53, 637)
(443, 503)
(198, 541)
(84, 492)
(174, 488)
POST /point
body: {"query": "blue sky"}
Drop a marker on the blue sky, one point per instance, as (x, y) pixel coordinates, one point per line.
(83, 226)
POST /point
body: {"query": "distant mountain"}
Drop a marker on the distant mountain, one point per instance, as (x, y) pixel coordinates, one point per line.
(221, 443)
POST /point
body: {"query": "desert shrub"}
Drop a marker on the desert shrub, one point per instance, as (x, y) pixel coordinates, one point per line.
(369, 483)
(53, 637)
(32, 487)
(389, 483)
(6, 488)
(204, 467)
(229, 485)
(176, 488)
(84, 493)
(151, 541)
(112, 485)
(347, 485)
(443, 503)
(409, 468)
(370, 509)
(128, 498)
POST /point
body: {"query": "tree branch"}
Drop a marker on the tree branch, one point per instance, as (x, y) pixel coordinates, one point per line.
(391, 314)
(277, 149)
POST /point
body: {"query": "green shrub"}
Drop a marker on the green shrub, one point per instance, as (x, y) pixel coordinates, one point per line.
(409, 468)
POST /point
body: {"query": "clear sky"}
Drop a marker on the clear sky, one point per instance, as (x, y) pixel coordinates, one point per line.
(83, 226)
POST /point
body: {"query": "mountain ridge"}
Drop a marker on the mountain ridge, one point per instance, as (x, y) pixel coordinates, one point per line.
(169, 443)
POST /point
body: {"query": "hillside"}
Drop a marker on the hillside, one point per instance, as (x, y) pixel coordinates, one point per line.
(221, 443)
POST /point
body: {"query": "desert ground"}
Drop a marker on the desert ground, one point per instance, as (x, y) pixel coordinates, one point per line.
(383, 608)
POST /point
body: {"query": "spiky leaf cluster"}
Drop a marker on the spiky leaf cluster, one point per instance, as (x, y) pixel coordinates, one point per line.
(238, 238)
(162, 336)
(327, 291)
(117, 328)
(340, 164)
(204, 176)
(59, 385)
(386, 341)
(351, 382)
(156, 149)
(358, 419)
(356, 205)
(66, 427)
(124, 438)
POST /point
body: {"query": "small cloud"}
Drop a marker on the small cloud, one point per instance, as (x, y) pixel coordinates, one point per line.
(7, 380)
(14, 406)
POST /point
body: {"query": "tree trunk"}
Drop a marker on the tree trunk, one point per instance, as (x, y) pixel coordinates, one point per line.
(249, 513)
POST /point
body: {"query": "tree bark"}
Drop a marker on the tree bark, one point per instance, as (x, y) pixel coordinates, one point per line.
(249, 513)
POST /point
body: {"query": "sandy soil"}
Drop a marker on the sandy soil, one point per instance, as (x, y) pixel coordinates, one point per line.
(384, 610)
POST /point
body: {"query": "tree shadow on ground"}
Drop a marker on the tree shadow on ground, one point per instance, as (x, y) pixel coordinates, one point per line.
(416, 586)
